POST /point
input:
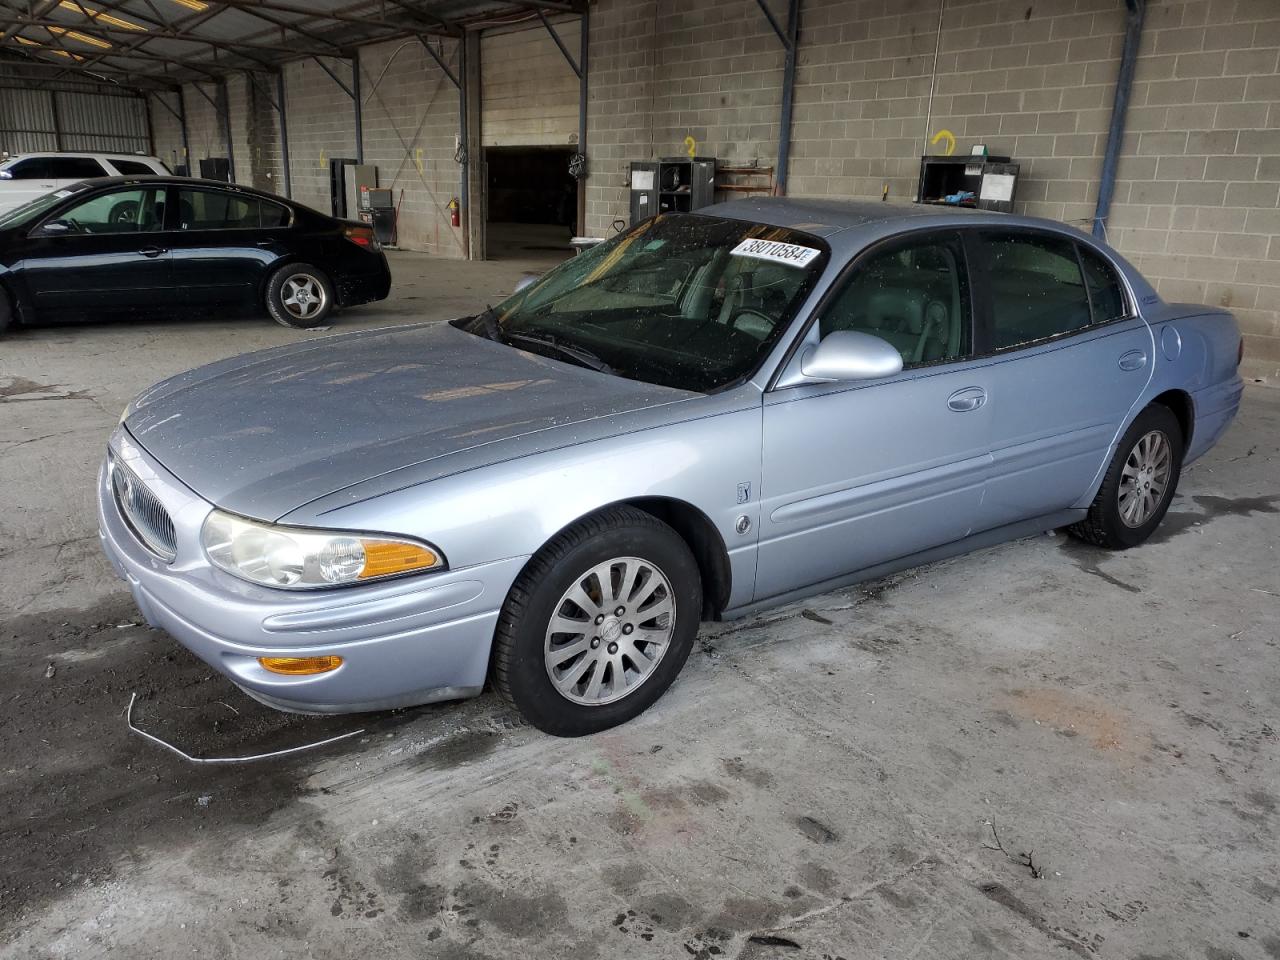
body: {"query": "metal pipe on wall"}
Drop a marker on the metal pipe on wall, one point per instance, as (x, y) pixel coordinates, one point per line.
(1135, 14)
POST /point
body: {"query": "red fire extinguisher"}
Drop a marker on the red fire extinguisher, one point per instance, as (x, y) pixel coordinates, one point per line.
(455, 213)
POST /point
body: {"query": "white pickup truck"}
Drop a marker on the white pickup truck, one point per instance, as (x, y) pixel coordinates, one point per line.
(32, 175)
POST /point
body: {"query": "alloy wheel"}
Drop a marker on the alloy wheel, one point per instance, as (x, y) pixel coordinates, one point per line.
(609, 631)
(1145, 478)
(303, 296)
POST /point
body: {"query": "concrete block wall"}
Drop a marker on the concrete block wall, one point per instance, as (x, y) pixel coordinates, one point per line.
(662, 73)
(1196, 203)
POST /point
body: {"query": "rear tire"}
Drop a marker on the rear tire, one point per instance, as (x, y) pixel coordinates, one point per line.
(621, 643)
(299, 295)
(1139, 484)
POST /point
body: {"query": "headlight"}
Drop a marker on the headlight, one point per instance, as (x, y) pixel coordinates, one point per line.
(298, 559)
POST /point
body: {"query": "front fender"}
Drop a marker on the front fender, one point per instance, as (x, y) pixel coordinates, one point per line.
(512, 508)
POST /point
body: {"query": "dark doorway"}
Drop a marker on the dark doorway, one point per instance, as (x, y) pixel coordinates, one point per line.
(532, 201)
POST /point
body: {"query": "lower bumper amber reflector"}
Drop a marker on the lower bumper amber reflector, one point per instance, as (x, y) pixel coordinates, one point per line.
(300, 666)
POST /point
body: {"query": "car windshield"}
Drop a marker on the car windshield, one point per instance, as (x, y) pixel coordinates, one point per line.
(683, 300)
(33, 209)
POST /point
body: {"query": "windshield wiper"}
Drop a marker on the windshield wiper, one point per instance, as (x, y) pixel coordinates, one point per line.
(485, 324)
(570, 351)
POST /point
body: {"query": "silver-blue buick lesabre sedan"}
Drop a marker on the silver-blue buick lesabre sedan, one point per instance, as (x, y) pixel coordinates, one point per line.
(708, 414)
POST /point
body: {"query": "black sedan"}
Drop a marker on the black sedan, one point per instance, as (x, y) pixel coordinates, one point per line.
(164, 244)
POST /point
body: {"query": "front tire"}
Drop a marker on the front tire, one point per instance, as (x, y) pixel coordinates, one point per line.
(299, 295)
(599, 624)
(1139, 483)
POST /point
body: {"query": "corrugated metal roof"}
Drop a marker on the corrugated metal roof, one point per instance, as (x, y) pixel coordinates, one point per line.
(159, 43)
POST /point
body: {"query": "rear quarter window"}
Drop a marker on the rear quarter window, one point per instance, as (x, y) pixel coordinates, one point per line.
(1105, 292)
(132, 168)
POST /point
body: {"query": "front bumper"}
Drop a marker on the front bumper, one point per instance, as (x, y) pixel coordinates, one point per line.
(403, 642)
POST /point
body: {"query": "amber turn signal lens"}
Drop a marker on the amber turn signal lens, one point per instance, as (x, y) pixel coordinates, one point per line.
(300, 666)
(384, 558)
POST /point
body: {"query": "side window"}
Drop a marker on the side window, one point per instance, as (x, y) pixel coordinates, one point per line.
(121, 211)
(211, 210)
(274, 215)
(131, 168)
(914, 295)
(1035, 287)
(36, 168)
(74, 168)
(1104, 288)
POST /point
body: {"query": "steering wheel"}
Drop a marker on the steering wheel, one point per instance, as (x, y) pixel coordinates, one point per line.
(126, 211)
(766, 323)
(79, 227)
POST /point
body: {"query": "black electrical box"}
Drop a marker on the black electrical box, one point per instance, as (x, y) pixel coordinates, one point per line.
(671, 185)
(985, 183)
(215, 168)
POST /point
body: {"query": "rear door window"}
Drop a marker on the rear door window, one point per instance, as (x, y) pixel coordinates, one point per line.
(214, 210)
(1034, 287)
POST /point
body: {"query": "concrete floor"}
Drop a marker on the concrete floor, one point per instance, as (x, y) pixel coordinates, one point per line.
(831, 779)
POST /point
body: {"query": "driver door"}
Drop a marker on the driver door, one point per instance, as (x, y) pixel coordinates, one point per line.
(859, 473)
(103, 253)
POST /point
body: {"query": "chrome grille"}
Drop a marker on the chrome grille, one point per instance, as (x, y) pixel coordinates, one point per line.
(143, 513)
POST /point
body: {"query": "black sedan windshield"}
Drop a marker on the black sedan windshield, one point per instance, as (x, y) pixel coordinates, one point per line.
(29, 211)
(687, 301)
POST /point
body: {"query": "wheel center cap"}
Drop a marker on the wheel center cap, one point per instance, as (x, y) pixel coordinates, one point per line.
(610, 630)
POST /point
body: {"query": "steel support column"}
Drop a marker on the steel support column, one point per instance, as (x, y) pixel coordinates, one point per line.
(224, 95)
(57, 120)
(1135, 14)
(182, 122)
(583, 91)
(790, 42)
(356, 104)
(464, 191)
(282, 112)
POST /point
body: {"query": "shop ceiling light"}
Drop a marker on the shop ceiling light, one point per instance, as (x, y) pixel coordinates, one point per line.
(192, 4)
(79, 37)
(27, 42)
(100, 16)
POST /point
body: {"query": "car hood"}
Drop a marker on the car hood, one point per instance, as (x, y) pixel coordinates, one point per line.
(265, 433)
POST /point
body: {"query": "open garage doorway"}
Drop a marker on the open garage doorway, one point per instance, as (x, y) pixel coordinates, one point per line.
(532, 202)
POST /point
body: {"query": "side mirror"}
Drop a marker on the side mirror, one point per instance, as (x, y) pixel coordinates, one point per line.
(526, 280)
(54, 228)
(851, 355)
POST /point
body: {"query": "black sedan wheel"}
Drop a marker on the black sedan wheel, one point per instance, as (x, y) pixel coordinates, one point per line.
(599, 624)
(299, 295)
(1139, 483)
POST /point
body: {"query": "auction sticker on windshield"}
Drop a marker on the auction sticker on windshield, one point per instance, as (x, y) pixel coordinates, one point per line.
(788, 253)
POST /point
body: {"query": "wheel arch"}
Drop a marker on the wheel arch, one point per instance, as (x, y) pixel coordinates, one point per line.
(698, 533)
(1180, 404)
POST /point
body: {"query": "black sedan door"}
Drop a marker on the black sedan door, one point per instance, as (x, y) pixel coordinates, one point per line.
(105, 253)
(221, 251)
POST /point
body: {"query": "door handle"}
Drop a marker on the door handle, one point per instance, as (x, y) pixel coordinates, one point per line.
(151, 252)
(970, 398)
(1133, 360)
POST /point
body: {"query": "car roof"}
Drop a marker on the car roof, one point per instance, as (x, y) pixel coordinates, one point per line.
(118, 155)
(855, 223)
(159, 178)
